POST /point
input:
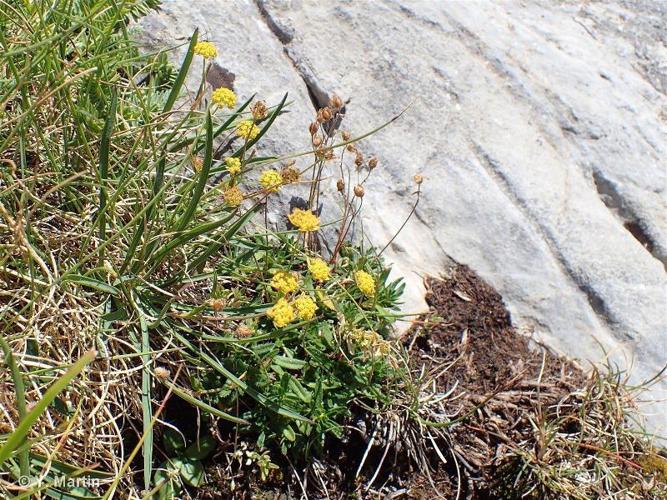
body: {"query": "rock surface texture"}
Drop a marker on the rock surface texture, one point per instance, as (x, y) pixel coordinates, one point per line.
(540, 128)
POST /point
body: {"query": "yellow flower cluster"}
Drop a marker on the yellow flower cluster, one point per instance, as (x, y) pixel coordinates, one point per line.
(281, 313)
(233, 165)
(305, 220)
(247, 129)
(224, 98)
(370, 342)
(206, 49)
(365, 283)
(271, 180)
(233, 196)
(318, 269)
(284, 282)
(305, 307)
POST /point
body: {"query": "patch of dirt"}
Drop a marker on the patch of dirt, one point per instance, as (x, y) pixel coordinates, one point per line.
(500, 383)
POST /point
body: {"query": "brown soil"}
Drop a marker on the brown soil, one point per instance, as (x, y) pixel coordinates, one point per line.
(500, 381)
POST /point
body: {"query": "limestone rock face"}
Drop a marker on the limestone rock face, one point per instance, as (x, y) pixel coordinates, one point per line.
(540, 128)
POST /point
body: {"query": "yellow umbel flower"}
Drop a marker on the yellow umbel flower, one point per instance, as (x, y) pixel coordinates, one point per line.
(224, 98)
(318, 269)
(305, 307)
(365, 283)
(233, 165)
(247, 129)
(305, 220)
(233, 196)
(206, 49)
(281, 313)
(284, 282)
(271, 180)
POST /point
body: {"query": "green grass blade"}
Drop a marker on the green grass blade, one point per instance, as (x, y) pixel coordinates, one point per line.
(19, 387)
(22, 430)
(183, 72)
(203, 177)
(105, 144)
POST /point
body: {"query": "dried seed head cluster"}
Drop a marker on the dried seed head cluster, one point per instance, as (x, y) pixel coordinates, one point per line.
(259, 110)
(162, 373)
(290, 174)
(359, 191)
(216, 304)
(340, 185)
(243, 331)
(336, 102)
(418, 179)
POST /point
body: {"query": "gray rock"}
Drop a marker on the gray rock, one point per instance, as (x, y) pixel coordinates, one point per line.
(540, 129)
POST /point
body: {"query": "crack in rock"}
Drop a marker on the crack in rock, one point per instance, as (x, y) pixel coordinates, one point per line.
(617, 205)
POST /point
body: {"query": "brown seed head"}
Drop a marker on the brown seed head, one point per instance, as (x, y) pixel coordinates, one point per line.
(418, 179)
(345, 135)
(340, 185)
(335, 102)
(243, 331)
(317, 140)
(359, 191)
(290, 174)
(259, 110)
(359, 159)
(162, 373)
(217, 304)
(372, 163)
(326, 114)
(313, 128)
(197, 163)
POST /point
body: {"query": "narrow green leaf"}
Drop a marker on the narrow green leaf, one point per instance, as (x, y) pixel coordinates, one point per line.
(105, 144)
(182, 73)
(203, 177)
(22, 430)
(89, 282)
(206, 407)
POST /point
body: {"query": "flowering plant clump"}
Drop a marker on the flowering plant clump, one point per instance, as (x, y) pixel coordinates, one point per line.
(304, 220)
(197, 296)
(365, 283)
(224, 97)
(247, 129)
